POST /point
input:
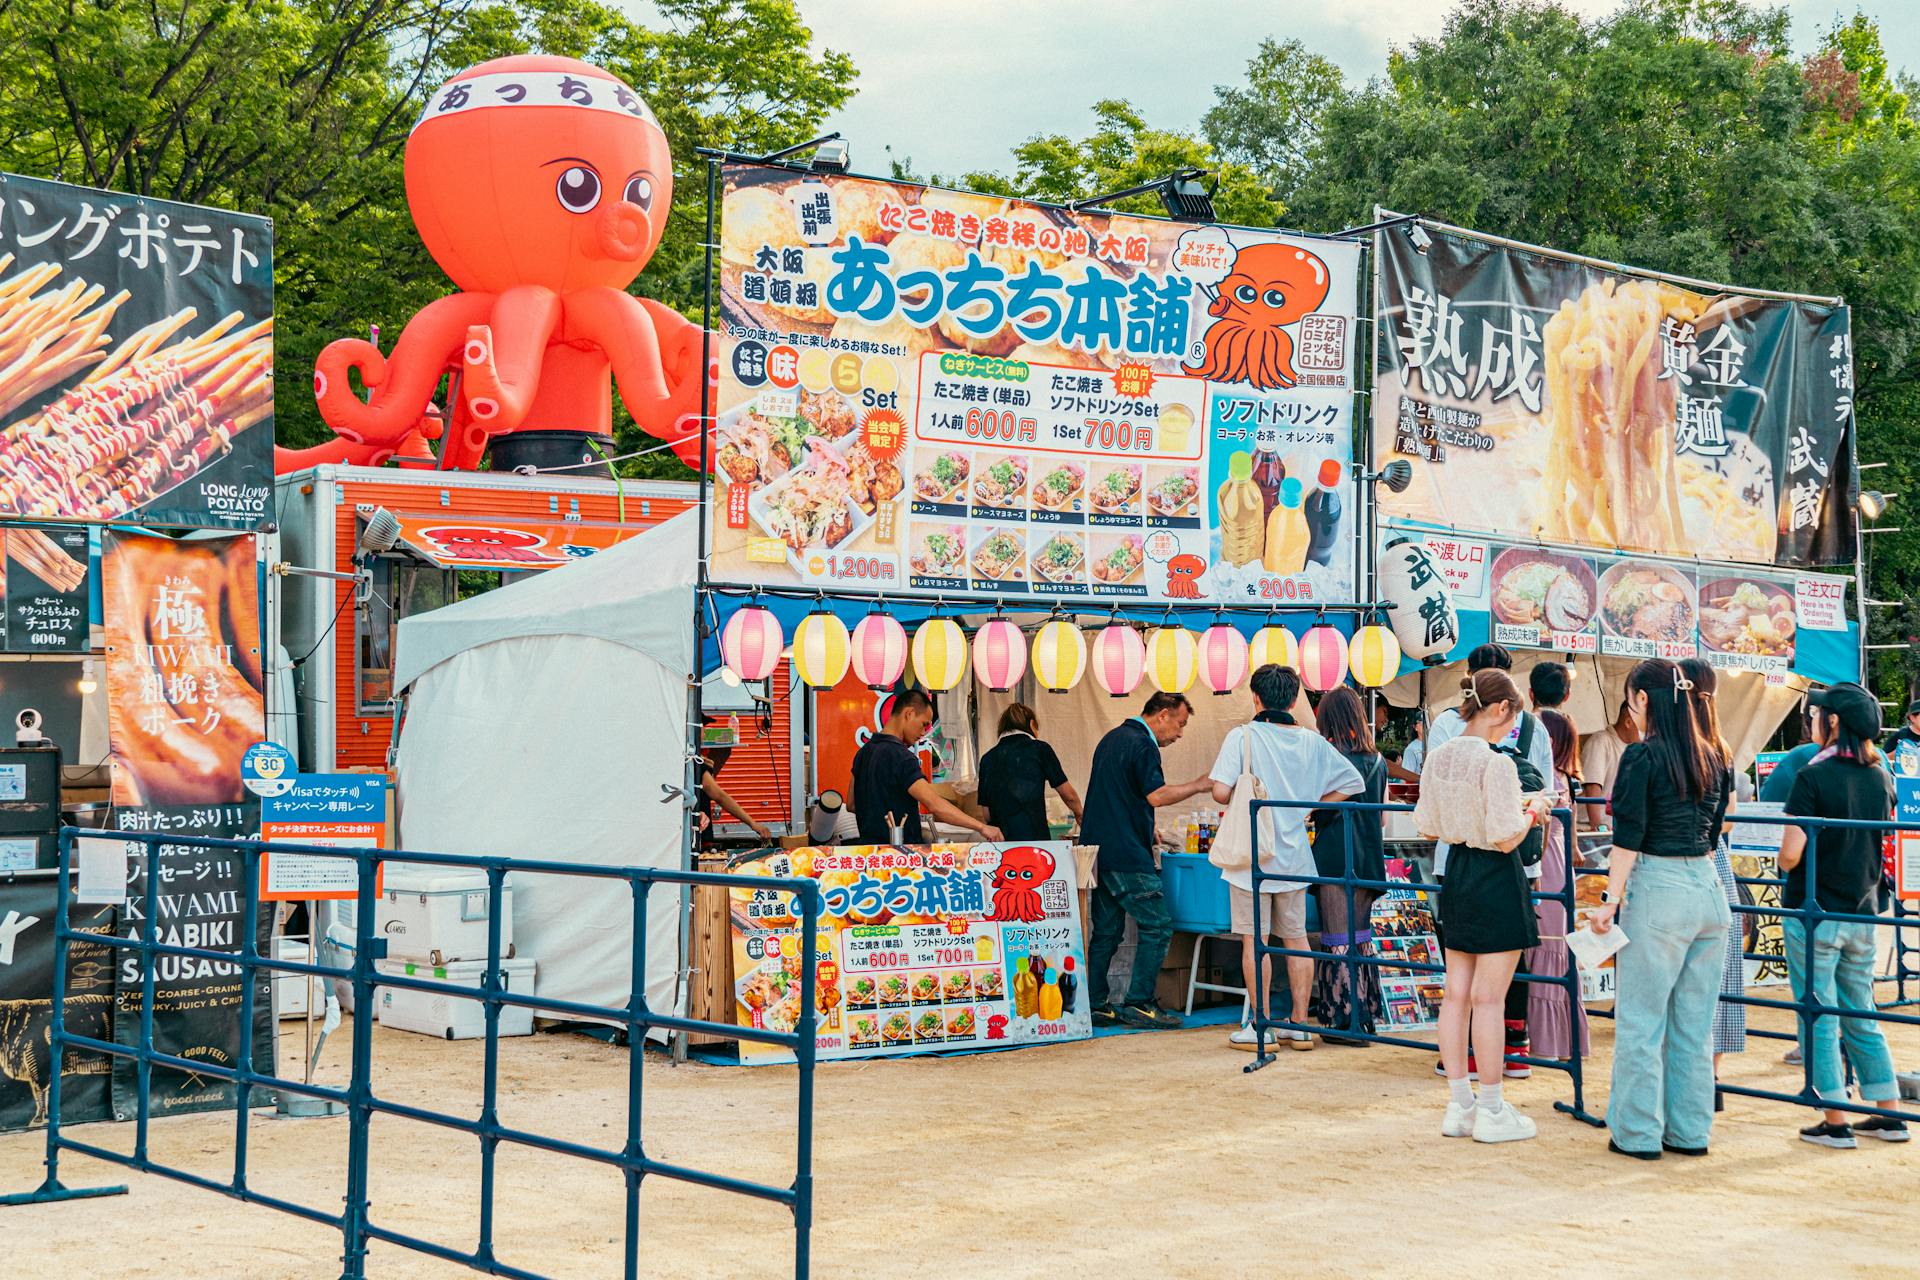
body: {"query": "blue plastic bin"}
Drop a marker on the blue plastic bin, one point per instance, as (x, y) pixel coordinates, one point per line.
(1197, 896)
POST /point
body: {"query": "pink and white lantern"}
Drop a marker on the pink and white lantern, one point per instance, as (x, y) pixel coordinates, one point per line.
(999, 655)
(1119, 659)
(879, 651)
(750, 643)
(1223, 658)
(1323, 658)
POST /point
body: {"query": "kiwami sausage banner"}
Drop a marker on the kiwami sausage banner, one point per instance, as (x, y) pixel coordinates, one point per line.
(1541, 399)
(136, 359)
(184, 691)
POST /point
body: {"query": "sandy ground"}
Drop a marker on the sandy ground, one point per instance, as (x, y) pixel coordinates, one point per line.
(1142, 1155)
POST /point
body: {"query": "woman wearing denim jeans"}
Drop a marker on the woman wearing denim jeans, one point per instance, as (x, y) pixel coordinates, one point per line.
(1842, 780)
(1670, 791)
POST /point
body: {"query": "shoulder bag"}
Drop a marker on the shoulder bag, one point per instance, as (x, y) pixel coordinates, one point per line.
(1233, 843)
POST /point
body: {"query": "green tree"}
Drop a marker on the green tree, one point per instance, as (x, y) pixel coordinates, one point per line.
(1271, 124)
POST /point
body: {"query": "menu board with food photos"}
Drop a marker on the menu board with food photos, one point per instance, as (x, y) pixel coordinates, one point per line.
(1625, 606)
(922, 948)
(933, 392)
(46, 588)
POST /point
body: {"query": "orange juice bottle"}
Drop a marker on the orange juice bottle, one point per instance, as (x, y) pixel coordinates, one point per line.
(1050, 999)
(1287, 533)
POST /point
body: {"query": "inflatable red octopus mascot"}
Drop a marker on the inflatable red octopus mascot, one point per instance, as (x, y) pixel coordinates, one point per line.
(541, 186)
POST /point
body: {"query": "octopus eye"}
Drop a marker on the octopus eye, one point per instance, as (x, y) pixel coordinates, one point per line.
(1245, 293)
(578, 189)
(640, 191)
(1275, 298)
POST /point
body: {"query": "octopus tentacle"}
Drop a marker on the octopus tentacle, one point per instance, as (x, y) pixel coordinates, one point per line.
(503, 359)
(402, 384)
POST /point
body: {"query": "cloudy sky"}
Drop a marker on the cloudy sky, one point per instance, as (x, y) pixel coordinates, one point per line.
(956, 87)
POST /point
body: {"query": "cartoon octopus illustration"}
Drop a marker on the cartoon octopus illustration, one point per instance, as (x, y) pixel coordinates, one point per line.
(541, 185)
(1271, 286)
(509, 545)
(1183, 577)
(1016, 881)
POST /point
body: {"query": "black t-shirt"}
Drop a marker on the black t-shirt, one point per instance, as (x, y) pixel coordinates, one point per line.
(1014, 778)
(1330, 826)
(1119, 821)
(1849, 866)
(1650, 817)
(884, 771)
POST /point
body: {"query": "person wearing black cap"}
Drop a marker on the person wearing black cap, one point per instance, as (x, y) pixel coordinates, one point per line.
(1908, 732)
(1842, 780)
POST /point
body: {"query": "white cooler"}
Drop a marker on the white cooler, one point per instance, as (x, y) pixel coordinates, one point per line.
(451, 1017)
(290, 989)
(438, 915)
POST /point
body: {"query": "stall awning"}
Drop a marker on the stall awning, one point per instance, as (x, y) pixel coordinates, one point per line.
(501, 543)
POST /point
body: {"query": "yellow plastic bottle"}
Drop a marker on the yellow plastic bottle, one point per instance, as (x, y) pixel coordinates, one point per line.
(1287, 533)
(1242, 512)
(1050, 1000)
(983, 949)
(1026, 991)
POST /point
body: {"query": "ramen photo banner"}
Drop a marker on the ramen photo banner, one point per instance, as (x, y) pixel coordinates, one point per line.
(1539, 398)
(931, 392)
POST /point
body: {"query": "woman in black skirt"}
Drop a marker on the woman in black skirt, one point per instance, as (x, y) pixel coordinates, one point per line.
(1471, 796)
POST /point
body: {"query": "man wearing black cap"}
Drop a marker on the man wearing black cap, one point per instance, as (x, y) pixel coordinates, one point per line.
(1843, 780)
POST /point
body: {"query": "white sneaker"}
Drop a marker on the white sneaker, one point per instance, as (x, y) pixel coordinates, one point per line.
(1459, 1121)
(1245, 1038)
(1504, 1125)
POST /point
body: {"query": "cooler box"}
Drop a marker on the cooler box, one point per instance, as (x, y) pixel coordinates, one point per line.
(438, 915)
(1197, 895)
(290, 989)
(451, 1017)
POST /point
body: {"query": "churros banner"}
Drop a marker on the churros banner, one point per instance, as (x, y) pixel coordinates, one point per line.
(136, 359)
(46, 588)
(921, 948)
(184, 687)
(1544, 399)
(926, 391)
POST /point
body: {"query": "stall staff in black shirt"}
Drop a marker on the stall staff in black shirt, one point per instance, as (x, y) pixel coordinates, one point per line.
(1124, 789)
(888, 786)
(1015, 775)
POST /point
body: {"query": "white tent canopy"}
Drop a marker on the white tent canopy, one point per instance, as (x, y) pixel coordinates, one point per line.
(542, 718)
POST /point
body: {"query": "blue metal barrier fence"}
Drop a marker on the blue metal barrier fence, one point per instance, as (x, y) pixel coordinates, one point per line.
(355, 1222)
(1351, 884)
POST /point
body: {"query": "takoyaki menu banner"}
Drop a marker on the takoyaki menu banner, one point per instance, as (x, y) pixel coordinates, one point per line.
(921, 948)
(1543, 399)
(927, 392)
(136, 359)
(1635, 607)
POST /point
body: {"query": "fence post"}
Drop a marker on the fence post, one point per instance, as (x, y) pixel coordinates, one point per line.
(249, 925)
(353, 1223)
(636, 1059)
(808, 1043)
(490, 988)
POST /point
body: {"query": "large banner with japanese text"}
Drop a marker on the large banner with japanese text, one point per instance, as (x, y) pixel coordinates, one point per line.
(921, 948)
(926, 391)
(1542, 399)
(185, 693)
(136, 359)
(27, 913)
(197, 898)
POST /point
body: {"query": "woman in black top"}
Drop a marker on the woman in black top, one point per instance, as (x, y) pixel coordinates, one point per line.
(1343, 722)
(1015, 775)
(1671, 791)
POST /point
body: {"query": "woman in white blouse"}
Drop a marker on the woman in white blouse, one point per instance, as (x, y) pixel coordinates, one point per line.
(1471, 797)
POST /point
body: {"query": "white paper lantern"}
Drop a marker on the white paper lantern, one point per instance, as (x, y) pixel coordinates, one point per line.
(1423, 619)
(1059, 655)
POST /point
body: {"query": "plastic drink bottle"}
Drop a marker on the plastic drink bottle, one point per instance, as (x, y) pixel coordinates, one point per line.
(1025, 990)
(1051, 1001)
(1287, 533)
(1322, 509)
(1243, 512)
(1068, 984)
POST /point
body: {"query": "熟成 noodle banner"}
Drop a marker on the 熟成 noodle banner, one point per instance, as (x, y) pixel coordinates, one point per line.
(1541, 398)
